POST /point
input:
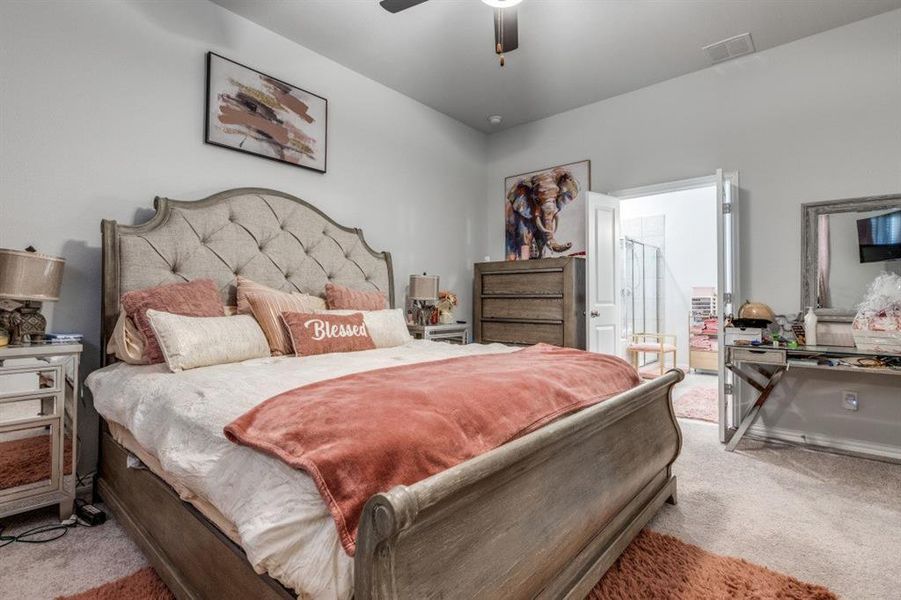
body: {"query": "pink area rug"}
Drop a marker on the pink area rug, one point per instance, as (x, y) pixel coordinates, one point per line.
(697, 402)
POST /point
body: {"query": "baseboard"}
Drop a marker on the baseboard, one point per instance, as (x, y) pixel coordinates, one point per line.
(823, 441)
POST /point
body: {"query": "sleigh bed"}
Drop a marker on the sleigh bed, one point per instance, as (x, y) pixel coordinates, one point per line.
(543, 516)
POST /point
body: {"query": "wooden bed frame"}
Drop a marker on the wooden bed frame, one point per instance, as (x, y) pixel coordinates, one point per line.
(543, 516)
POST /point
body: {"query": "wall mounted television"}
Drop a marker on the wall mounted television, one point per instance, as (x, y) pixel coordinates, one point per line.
(880, 237)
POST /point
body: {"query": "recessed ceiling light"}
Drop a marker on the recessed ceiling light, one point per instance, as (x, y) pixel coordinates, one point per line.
(495, 119)
(501, 3)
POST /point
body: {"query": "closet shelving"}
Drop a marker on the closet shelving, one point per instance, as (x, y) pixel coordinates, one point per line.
(703, 330)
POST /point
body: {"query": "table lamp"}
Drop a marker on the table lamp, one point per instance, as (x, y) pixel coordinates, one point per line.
(27, 278)
(423, 293)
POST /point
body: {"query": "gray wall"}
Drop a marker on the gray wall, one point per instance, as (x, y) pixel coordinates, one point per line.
(101, 109)
(817, 119)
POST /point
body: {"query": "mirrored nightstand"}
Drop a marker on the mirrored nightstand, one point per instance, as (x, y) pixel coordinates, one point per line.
(455, 333)
(39, 390)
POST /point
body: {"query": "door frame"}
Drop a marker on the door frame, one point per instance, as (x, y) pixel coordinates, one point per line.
(728, 402)
(665, 188)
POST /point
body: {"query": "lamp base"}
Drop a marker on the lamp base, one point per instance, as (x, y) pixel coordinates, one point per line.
(422, 313)
(23, 322)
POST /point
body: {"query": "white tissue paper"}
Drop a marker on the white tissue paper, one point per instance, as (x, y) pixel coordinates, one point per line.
(877, 325)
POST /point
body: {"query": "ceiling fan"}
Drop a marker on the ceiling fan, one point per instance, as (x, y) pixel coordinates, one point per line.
(506, 33)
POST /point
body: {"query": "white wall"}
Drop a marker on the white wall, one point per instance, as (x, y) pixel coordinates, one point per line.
(101, 109)
(689, 251)
(817, 119)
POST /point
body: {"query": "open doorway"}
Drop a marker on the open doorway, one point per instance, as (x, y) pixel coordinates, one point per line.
(669, 291)
(681, 258)
(670, 280)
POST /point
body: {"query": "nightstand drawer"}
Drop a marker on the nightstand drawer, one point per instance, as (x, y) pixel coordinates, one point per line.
(17, 411)
(30, 379)
(765, 356)
(29, 459)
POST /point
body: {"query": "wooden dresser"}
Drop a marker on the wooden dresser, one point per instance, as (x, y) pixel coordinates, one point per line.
(530, 301)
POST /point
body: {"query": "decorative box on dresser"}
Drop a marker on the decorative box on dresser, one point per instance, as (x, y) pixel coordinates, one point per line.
(530, 302)
(39, 390)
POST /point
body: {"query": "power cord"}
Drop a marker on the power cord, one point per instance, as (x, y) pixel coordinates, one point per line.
(57, 530)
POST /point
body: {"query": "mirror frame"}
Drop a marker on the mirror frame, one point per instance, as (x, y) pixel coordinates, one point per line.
(810, 213)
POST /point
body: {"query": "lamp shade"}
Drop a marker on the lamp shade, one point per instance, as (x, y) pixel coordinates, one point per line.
(423, 287)
(30, 275)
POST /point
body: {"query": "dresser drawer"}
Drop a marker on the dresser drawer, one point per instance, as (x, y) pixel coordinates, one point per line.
(544, 283)
(766, 356)
(550, 309)
(522, 333)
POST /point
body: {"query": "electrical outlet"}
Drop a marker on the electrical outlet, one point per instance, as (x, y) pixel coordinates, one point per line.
(850, 401)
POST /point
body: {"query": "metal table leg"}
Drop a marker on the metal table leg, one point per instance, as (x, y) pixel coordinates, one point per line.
(765, 392)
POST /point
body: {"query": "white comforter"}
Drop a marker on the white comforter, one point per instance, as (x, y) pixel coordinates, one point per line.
(284, 526)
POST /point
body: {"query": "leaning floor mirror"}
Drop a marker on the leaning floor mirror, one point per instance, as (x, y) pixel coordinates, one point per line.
(846, 244)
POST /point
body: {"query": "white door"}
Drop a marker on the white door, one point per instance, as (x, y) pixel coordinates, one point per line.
(727, 292)
(604, 274)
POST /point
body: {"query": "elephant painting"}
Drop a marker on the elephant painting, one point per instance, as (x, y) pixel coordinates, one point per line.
(533, 208)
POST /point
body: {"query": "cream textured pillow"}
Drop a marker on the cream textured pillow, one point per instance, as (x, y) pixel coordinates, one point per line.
(190, 342)
(387, 328)
(127, 343)
(246, 286)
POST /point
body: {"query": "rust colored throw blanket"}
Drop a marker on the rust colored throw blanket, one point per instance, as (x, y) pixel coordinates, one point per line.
(367, 432)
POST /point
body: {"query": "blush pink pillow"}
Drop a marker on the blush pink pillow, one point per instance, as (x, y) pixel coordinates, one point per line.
(320, 333)
(339, 297)
(198, 298)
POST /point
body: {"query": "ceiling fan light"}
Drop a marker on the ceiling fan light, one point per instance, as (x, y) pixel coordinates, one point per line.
(501, 3)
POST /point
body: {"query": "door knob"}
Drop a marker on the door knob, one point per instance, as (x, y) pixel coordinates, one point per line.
(595, 313)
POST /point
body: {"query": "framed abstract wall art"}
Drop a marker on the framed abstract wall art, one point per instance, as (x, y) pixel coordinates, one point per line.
(252, 112)
(545, 212)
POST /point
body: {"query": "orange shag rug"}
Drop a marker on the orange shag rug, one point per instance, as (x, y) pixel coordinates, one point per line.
(654, 567)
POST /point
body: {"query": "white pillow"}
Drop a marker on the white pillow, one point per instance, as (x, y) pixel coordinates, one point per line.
(387, 328)
(190, 342)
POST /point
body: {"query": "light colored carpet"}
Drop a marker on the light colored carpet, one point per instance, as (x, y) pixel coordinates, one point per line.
(82, 559)
(822, 518)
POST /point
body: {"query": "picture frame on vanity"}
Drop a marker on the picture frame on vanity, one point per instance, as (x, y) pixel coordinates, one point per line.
(251, 112)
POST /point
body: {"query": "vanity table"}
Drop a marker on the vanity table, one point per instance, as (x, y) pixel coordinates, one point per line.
(762, 367)
(39, 391)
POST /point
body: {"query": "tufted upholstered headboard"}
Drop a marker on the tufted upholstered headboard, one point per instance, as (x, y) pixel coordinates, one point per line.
(269, 236)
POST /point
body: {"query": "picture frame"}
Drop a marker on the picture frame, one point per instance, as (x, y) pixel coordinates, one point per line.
(554, 194)
(249, 111)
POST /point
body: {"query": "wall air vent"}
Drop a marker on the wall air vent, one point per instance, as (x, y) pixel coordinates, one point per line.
(730, 48)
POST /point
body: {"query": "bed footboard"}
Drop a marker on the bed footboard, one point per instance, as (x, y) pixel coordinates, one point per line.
(541, 517)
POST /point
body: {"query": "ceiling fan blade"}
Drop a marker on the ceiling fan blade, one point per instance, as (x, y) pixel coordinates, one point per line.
(395, 6)
(506, 30)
